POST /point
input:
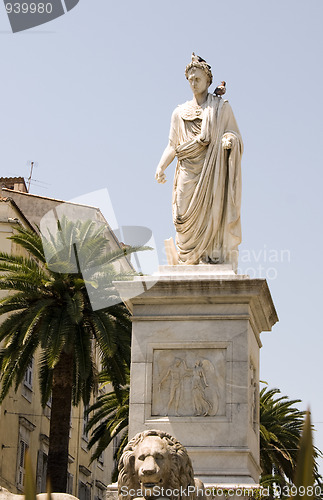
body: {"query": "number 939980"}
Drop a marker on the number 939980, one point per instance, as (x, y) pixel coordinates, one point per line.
(29, 8)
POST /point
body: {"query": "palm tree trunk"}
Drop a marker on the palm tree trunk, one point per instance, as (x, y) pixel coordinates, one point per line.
(60, 423)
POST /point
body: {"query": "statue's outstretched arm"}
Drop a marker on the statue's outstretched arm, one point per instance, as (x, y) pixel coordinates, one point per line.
(166, 159)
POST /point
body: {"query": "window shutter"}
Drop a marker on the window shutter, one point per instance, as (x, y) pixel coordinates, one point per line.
(23, 447)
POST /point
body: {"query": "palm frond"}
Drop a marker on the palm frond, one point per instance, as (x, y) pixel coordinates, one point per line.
(110, 418)
(281, 424)
(30, 241)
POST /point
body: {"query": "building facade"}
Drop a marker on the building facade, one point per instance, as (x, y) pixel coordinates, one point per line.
(24, 424)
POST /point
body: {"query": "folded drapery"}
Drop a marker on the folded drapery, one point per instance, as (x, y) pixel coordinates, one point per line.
(207, 184)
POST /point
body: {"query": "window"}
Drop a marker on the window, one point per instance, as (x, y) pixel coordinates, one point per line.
(47, 409)
(71, 422)
(23, 447)
(28, 380)
(101, 458)
(27, 385)
(41, 478)
(25, 428)
(99, 494)
(100, 490)
(85, 435)
(84, 491)
(116, 442)
(69, 488)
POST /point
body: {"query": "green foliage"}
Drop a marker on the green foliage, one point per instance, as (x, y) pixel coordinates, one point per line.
(305, 468)
(109, 419)
(281, 425)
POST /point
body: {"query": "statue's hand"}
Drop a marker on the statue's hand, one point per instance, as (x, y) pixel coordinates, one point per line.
(228, 141)
(160, 175)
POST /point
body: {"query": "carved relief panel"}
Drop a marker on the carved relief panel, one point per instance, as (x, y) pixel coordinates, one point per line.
(189, 382)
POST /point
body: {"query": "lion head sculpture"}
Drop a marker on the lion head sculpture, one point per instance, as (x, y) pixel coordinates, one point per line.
(154, 464)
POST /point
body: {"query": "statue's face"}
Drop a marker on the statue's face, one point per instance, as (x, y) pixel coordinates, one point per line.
(198, 80)
(152, 464)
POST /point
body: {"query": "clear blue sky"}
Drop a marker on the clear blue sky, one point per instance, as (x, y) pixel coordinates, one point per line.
(89, 97)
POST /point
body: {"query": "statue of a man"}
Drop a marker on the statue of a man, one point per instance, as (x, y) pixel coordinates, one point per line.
(205, 138)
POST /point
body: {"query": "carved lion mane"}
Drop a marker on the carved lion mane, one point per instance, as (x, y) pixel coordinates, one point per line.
(181, 473)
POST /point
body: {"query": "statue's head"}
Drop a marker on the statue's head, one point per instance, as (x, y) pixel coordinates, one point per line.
(153, 462)
(199, 67)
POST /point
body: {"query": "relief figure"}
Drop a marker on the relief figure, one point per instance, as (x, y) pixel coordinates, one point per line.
(176, 373)
(202, 406)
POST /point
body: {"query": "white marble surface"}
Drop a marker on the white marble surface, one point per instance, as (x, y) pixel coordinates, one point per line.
(194, 318)
(206, 199)
(200, 269)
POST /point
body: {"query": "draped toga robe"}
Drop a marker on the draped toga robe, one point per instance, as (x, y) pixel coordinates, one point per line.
(207, 184)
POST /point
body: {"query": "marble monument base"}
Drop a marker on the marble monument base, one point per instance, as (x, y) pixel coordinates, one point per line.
(195, 365)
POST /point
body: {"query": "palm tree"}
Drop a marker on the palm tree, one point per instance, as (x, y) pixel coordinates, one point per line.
(281, 425)
(109, 420)
(50, 309)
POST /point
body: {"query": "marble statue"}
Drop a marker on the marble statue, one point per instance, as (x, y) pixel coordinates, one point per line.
(155, 465)
(205, 138)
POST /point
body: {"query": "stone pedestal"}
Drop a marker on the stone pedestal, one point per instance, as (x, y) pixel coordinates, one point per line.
(195, 365)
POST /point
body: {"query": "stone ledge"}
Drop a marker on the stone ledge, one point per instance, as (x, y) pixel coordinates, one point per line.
(195, 289)
(200, 269)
